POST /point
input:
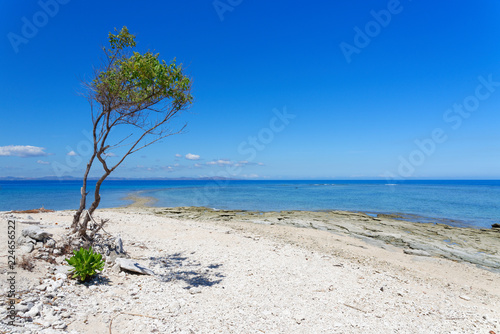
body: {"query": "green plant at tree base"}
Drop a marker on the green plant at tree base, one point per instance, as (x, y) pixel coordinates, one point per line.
(85, 263)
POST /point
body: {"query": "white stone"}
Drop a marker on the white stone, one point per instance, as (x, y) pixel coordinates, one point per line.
(22, 240)
(133, 266)
(34, 311)
(59, 325)
(55, 285)
(36, 233)
(22, 308)
(119, 245)
(51, 243)
(26, 248)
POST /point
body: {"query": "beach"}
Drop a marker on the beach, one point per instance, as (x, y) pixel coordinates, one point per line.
(236, 271)
(216, 272)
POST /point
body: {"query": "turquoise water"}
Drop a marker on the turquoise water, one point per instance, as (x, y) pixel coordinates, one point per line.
(460, 203)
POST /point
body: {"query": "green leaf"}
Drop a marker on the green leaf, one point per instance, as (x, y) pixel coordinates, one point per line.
(85, 263)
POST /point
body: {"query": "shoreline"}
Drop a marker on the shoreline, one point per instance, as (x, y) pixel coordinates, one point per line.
(480, 247)
(149, 201)
(246, 272)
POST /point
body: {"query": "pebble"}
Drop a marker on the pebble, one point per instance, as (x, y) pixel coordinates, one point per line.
(194, 291)
(34, 311)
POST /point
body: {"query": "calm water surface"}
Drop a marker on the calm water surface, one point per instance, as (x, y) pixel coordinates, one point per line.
(461, 203)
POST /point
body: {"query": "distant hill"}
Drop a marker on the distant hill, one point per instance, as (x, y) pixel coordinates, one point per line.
(72, 178)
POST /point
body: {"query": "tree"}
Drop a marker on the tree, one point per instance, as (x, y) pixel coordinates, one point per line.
(133, 92)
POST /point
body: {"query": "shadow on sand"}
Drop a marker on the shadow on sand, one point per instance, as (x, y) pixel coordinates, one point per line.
(177, 267)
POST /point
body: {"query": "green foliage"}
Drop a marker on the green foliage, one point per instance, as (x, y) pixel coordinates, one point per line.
(141, 80)
(85, 263)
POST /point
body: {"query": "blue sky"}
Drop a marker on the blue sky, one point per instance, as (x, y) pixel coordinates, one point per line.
(283, 89)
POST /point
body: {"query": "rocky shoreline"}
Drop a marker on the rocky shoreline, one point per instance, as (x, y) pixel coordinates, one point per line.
(477, 246)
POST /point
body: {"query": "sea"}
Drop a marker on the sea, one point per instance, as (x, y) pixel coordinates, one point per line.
(465, 203)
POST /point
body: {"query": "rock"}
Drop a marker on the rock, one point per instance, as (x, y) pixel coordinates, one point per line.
(51, 243)
(59, 325)
(417, 252)
(116, 268)
(38, 244)
(131, 265)
(495, 226)
(65, 314)
(194, 291)
(119, 245)
(25, 240)
(26, 248)
(55, 285)
(23, 308)
(36, 233)
(61, 276)
(464, 297)
(113, 255)
(34, 311)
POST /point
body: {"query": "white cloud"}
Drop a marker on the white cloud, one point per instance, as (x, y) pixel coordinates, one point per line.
(190, 156)
(41, 162)
(110, 154)
(168, 168)
(250, 176)
(178, 155)
(22, 151)
(71, 153)
(220, 162)
(248, 163)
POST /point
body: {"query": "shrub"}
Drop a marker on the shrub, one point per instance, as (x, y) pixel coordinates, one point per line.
(26, 263)
(85, 263)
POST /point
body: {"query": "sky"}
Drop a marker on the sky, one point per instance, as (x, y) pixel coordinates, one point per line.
(282, 89)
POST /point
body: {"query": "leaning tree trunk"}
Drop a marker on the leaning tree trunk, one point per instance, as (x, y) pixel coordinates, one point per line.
(83, 199)
(82, 228)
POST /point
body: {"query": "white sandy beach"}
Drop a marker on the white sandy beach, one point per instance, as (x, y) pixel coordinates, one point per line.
(240, 277)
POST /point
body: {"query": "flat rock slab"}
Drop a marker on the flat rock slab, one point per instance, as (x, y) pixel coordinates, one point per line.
(131, 265)
(35, 232)
(417, 252)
